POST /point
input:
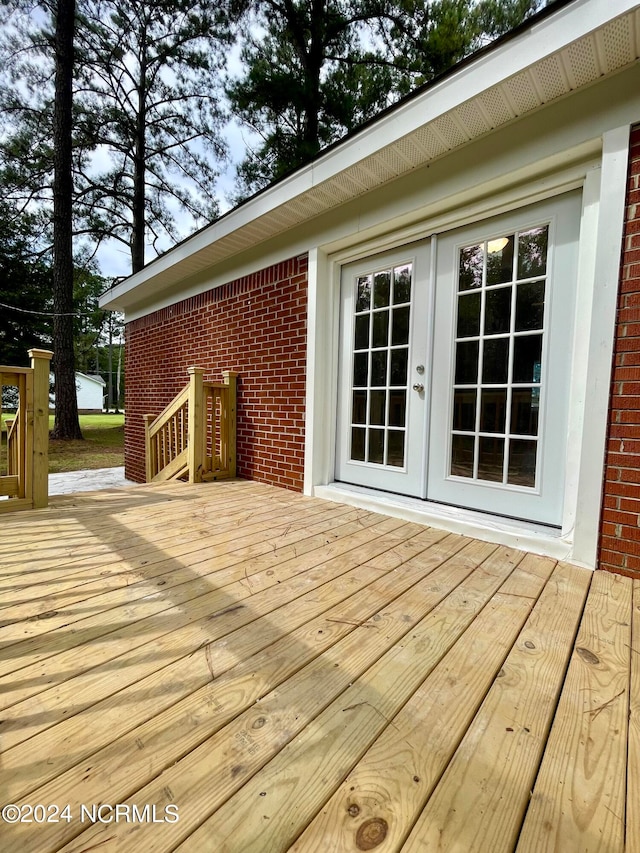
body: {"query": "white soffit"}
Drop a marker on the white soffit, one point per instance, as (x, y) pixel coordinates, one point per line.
(549, 66)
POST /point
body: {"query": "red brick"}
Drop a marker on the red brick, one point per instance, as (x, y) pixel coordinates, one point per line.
(255, 325)
(625, 547)
(627, 416)
(622, 374)
(614, 516)
(632, 563)
(630, 389)
(629, 330)
(621, 571)
(624, 431)
(612, 558)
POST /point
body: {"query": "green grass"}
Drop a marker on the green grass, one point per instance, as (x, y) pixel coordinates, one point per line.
(103, 445)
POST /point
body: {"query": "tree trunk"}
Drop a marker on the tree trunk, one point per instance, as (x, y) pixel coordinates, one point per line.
(110, 366)
(313, 62)
(139, 161)
(67, 425)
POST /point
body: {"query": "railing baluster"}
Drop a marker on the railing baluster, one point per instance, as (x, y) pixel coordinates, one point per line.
(196, 432)
(27, 450)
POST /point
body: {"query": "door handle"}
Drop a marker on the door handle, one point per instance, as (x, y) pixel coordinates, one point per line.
(418, 386)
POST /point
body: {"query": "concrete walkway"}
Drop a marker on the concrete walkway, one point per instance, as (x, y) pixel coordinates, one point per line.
(87, 481)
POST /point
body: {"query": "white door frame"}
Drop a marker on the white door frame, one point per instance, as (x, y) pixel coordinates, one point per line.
(604, 183)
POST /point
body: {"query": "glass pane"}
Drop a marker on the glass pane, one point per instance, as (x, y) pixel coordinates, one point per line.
(500, 260)
(379, 367)
(357, 444)
(493, 410)
(467, 363)
(402, 284)
(525, 406)
(462, 455)
(359, 410)
(362, 331)
(377, 407)
(527, 358)
(468, 315)
(395, 448)
(399, 361)
(360, 368)
(490, 459)
(376, 446)
(532, 252)
(381, 329)
(529, 306)
(470, 268)
(397, 407)
(522, 463)
(381, 289)
(497, 311)
(363, 296)
(400, 327)
(464, 410)
(495, 364)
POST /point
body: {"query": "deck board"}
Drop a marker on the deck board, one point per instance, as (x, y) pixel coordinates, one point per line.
(493, 770)
(298, 675)
(578, 801)
(633, 770)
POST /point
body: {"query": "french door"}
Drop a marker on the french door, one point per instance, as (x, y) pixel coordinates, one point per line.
(383, 371)
(499, 313)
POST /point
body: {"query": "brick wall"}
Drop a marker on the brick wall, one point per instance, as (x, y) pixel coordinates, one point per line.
(256, 326)
(620, 526)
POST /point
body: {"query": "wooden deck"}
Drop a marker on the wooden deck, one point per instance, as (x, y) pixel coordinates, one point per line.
(281, 673)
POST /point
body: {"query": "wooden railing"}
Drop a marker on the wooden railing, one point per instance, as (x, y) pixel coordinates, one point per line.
(195, 436)
(24, 481)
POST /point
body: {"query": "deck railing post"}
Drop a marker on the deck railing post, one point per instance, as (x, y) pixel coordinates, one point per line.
(38, 459)
(150, 463)
(230, 377)
(195, 424)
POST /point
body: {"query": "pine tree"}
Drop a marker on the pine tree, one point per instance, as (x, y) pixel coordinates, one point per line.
(318, 68)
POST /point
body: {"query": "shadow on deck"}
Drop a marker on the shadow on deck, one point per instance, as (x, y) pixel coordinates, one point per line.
(240, 668)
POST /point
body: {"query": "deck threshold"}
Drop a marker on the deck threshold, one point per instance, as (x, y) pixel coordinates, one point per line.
(528, 536)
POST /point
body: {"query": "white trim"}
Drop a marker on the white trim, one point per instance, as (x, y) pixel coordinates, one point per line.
(606, 266)
(322, 372)
(604, 187)
(312, 430)
(457, 211)
(579, 362)
(543, 179)
(323, 381)
(489, 528)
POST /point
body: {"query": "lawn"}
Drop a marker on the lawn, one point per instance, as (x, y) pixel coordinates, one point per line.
(103, 445)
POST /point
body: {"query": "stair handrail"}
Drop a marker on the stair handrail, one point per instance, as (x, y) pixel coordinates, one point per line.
(182, 440)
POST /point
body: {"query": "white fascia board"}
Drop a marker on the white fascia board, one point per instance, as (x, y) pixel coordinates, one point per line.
(543, 39)
(539, 41)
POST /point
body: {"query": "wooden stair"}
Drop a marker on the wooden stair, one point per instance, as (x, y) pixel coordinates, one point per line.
(194, 437)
